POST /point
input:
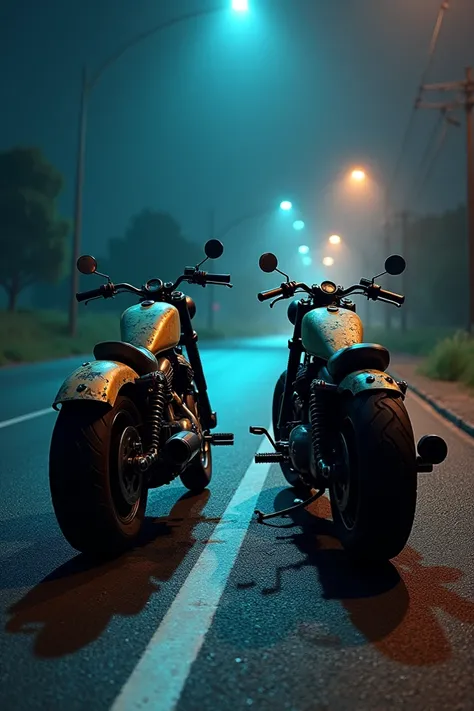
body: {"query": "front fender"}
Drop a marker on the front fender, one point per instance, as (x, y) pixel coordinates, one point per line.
(363, 380)
(99, 380)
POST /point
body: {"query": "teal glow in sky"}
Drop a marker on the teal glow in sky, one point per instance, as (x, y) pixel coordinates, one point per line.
(304, 249)
(286, 205)
(298, 225)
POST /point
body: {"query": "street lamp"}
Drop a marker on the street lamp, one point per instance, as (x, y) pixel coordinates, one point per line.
(328, 261)
(88, 84)
(358, 175)
(335, 239)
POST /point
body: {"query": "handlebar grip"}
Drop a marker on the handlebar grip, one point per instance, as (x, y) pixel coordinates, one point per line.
(270, 294)
(218, 278)
(91, 294)
(385, 294)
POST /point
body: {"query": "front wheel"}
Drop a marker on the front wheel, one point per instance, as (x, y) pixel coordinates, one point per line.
(98, 499)
(373, 494)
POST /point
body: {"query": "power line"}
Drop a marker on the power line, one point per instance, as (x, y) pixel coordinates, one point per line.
(431, 52)
(429, 147)
(431, 165)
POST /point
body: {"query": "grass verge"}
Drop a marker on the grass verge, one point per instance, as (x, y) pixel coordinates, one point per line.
(29, 336)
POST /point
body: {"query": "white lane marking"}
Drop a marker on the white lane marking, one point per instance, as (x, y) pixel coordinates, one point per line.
(22, 418)
(160, 675)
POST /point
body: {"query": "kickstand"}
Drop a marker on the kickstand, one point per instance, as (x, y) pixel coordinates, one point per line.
(284, 512)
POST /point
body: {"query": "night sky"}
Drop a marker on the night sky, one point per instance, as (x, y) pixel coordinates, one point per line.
(229, 111)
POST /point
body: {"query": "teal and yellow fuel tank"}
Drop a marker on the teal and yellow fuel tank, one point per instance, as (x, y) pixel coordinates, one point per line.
(153, 325)
(326, 330)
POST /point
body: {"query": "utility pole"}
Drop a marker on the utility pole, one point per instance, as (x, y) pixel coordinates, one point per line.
(387, 228)
(404, 229)
(210, 304)
(465, 100)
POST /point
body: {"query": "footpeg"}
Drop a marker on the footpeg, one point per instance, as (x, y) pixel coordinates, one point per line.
(269, 457)
(221, 439)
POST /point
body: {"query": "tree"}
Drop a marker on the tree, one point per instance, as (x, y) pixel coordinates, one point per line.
(32, 234)
(437, 275)
(153, 246)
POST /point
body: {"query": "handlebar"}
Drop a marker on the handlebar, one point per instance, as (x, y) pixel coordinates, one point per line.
(91, 294)
(384, 294)
(217, 278)
(369, 289)
(191, 275)
(265, 295)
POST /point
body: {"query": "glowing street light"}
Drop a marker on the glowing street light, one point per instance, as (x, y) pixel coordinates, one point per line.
(335, 239)
(240, 5)
(298, 225)
(328, 261)
(286, 205)
(358, 175)
(303, 249)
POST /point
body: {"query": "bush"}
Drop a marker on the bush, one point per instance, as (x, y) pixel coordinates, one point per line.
(419, 342)
(452, 359)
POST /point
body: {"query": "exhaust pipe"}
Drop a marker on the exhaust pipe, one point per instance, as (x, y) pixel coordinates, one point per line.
(181, 448)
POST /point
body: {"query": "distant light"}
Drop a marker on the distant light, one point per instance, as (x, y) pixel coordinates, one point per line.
(358, 175)
(307, 261)
(298, 225)
(304, 249)
(240, 5)
(328, 261)
(335, 239)
(286, 205)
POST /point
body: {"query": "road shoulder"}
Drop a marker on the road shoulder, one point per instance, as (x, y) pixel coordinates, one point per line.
(451, 400)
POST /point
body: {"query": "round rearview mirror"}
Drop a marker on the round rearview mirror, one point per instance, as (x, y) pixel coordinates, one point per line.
(395, 264)
(268, 262)
(86, 264)
(214, 249)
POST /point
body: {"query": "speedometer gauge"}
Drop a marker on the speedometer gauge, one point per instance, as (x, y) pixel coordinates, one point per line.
(328, 287)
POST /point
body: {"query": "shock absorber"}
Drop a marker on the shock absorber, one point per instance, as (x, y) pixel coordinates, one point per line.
(159, 392)
(319, 429)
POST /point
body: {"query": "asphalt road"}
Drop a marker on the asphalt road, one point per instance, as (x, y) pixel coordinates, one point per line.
(295, 627)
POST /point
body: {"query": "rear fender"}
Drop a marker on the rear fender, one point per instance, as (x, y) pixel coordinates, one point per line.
(99, 381)
(363, 380)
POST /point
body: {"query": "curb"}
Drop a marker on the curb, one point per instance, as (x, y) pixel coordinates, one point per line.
(443, 411)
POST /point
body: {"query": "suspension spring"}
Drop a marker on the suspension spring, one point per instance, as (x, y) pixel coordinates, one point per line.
(156, 410)
(318, 418)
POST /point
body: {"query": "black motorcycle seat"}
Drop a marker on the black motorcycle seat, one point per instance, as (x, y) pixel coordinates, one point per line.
(140, 359)
(359, 356)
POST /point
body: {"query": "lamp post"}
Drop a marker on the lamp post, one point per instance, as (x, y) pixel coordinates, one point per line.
(285, 206)
(88, 83)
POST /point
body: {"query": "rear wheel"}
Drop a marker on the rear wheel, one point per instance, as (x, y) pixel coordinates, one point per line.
(98, 498)
(290, 474)
(373, 496)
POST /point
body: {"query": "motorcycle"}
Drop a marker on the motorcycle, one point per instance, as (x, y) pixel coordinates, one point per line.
(135, 418)
(339, 418)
